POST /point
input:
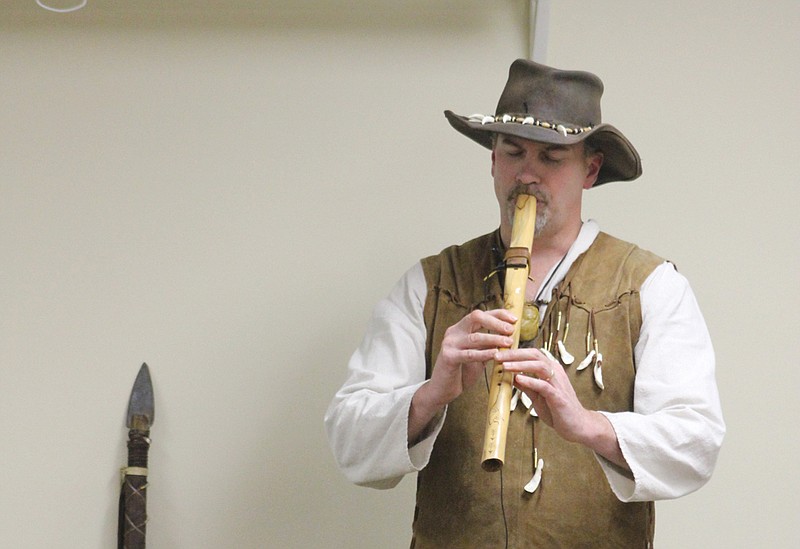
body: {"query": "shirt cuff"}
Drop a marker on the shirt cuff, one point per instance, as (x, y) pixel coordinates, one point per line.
(622, 482)
(420, 453)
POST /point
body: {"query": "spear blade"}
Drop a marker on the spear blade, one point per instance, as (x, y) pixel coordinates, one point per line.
(141, 406)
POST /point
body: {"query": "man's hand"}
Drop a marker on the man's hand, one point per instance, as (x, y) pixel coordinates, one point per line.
(545, 381)
(466, 347)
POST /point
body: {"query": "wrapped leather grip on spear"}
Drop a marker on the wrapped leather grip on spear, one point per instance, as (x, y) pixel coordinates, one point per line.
(501, 385)
(131, 528)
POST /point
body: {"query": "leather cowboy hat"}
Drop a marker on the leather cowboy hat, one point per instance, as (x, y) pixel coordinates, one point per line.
(550, 105)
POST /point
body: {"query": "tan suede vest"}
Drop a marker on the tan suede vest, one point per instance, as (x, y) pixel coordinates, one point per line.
(461, 506)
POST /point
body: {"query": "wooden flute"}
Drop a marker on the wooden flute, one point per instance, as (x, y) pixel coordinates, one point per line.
(517, 263)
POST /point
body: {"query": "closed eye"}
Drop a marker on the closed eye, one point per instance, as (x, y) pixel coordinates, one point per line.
(550, 159)
(553, 154)
(513, 151)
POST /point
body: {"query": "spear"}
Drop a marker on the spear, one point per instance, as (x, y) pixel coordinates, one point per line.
(131, 527)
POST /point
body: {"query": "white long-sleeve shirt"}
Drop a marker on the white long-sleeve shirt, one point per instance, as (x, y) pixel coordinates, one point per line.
(670, 440)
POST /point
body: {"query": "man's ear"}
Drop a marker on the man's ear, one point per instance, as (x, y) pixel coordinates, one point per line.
(593, 165)
(492, 162)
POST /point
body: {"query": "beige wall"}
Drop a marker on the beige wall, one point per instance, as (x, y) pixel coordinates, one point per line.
(223, 190)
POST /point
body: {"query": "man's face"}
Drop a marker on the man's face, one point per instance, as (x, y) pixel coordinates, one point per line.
(555, 174)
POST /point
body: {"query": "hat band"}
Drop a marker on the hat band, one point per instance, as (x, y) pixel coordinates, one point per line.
(529, 121)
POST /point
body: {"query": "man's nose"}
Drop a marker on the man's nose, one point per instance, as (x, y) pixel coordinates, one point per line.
(528, 174)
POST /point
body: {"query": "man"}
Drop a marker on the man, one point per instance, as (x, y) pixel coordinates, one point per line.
(617, 380)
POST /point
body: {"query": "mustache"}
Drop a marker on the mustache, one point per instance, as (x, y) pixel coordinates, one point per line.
(527, 189)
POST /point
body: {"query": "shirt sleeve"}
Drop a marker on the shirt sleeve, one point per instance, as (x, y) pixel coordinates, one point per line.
(672, 437)
(367, 420)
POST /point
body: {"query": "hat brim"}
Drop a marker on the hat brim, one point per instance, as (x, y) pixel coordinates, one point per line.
(621, 160)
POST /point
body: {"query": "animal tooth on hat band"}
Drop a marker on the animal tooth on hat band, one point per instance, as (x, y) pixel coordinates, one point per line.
(484, 119)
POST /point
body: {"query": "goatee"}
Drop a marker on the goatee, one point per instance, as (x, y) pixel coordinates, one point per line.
(541, 200)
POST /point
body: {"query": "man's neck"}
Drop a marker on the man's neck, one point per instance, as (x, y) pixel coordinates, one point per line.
(547, 244)
(547, 251)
